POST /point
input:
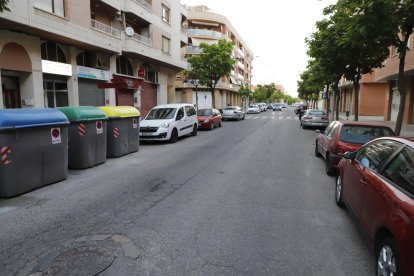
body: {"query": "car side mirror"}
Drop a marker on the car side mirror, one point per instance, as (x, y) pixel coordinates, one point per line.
(350, 155)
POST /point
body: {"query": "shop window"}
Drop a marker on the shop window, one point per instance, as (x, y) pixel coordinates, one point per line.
(52, 52)
(166, 44)
(53, 6)
(152, 76)
(165, 14)
(56, 93)
(88, 59)
(123, 66)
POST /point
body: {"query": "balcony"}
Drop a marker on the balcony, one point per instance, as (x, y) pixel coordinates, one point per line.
(104, 28)
(142, 39)
(144, 4)
(240, 65)
(205, 33)
(194, 50)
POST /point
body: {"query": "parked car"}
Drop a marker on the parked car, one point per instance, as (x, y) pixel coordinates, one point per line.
(284, 105)
(263, 106)
(376, 184)
(209, 118)
(168, 122)
(233, 113)
(340, 137)
(253, 108)
(314, 118)
(277, 107)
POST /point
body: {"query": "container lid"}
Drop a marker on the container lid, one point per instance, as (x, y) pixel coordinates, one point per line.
(120, 111)
(83, 113)
(33, 117)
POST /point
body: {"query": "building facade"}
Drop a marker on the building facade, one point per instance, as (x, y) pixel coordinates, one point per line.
(205, 26)
(91, 52)
(379, 95)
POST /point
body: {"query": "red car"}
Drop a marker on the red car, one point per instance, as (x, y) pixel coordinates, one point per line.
(376, 184)
(208, 118)
(340, 137)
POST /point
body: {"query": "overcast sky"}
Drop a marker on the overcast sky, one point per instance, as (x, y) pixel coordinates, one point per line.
(275, 31)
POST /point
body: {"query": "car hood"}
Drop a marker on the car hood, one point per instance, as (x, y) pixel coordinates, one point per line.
(153, 123)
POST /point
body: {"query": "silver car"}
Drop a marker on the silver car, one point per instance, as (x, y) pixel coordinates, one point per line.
(314, 118)
(233, 113)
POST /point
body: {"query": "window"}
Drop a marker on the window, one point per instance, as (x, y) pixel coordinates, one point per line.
(165, 14)
(53, 6)
(50, 51)
(363, 134)
(190, 110)
(166, 44)
(401, 170)
(376, 154)
(123, 66)
(332, 130)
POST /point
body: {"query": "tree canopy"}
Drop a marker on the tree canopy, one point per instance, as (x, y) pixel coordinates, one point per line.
(4, 5)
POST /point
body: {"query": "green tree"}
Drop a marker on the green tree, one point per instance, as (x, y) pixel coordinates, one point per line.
(260, 94)
(245, 92)
(4, 5)
(366, 36)
(402, 16)
(214, 62)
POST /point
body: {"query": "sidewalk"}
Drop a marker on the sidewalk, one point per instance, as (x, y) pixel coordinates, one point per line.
(406, 130)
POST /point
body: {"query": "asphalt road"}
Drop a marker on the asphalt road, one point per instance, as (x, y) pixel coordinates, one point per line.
(249, 198)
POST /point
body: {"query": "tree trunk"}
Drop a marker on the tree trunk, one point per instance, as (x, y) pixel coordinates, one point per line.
(356, 91)
(401, 89)
(196, 90)
(213, 100)
(336, 93)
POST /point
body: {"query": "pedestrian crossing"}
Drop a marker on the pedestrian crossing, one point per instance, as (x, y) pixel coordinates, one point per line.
(272, 117)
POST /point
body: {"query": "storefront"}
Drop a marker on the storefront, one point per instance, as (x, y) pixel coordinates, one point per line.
(127, 90)
(55, 83)
(88, 80)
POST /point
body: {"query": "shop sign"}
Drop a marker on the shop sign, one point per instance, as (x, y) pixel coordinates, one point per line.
(57, 68)
(122, 82)
(92, 73)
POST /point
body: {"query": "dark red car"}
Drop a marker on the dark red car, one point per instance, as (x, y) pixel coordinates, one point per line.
(209, 118)
(376, 184)
(340, 137)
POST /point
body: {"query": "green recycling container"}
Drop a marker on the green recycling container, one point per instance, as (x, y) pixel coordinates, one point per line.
(87, 136)
(123, 130)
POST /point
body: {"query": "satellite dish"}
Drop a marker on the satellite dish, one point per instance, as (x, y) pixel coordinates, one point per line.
(184, 24)
(129, 31)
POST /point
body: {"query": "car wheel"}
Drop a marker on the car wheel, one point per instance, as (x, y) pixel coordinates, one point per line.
(338, 191)
(328, 166)
(194, 133)
(317, 154)
(388, 259)
(174, 136)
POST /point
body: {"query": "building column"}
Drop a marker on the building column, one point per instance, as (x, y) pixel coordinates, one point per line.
(170, 94)
(217, 98)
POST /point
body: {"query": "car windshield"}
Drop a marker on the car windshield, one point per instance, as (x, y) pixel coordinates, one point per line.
(161, 114)
(253, 106)
(204, 112)
(363, 134)
(230, 108)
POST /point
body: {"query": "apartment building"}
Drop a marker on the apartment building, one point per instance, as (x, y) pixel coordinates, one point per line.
(379, 95)
(205, 26)
(91, 52)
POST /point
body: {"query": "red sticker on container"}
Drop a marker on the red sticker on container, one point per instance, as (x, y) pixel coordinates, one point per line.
(99, 127)
(55, 133)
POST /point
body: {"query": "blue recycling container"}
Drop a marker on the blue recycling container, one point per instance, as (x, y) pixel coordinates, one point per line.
(33, 149)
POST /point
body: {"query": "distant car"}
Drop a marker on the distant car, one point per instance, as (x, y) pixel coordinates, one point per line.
(253, 108)
(340, 137)
(277, 107)
(209, 118)
(263, 106)
(376, 184)
(314, 118)
(233, 113)
(284, 105)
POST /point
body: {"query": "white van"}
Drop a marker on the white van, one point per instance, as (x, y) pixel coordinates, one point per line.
(167, 122)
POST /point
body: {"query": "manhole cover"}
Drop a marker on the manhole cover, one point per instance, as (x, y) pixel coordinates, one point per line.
(85, 260)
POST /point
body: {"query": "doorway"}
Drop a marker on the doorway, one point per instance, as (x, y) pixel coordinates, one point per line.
(11, 92)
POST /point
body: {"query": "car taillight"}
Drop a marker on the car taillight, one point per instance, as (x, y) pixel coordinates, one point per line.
(324, 118)
(307, 118)
(340, 150)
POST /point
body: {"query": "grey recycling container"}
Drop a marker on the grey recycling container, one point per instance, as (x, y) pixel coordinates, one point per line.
(122, 133)
(33, 146)
(87, 136)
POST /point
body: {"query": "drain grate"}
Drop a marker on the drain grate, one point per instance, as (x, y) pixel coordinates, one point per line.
(85, 261)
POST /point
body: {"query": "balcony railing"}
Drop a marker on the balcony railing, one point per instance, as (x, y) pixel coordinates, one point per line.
(144, 4)
(208, 33)
(143, 39)
(193, 49)
(105, 28)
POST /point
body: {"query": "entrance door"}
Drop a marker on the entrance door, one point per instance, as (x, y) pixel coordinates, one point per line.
(125, 97)
(11, 92)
